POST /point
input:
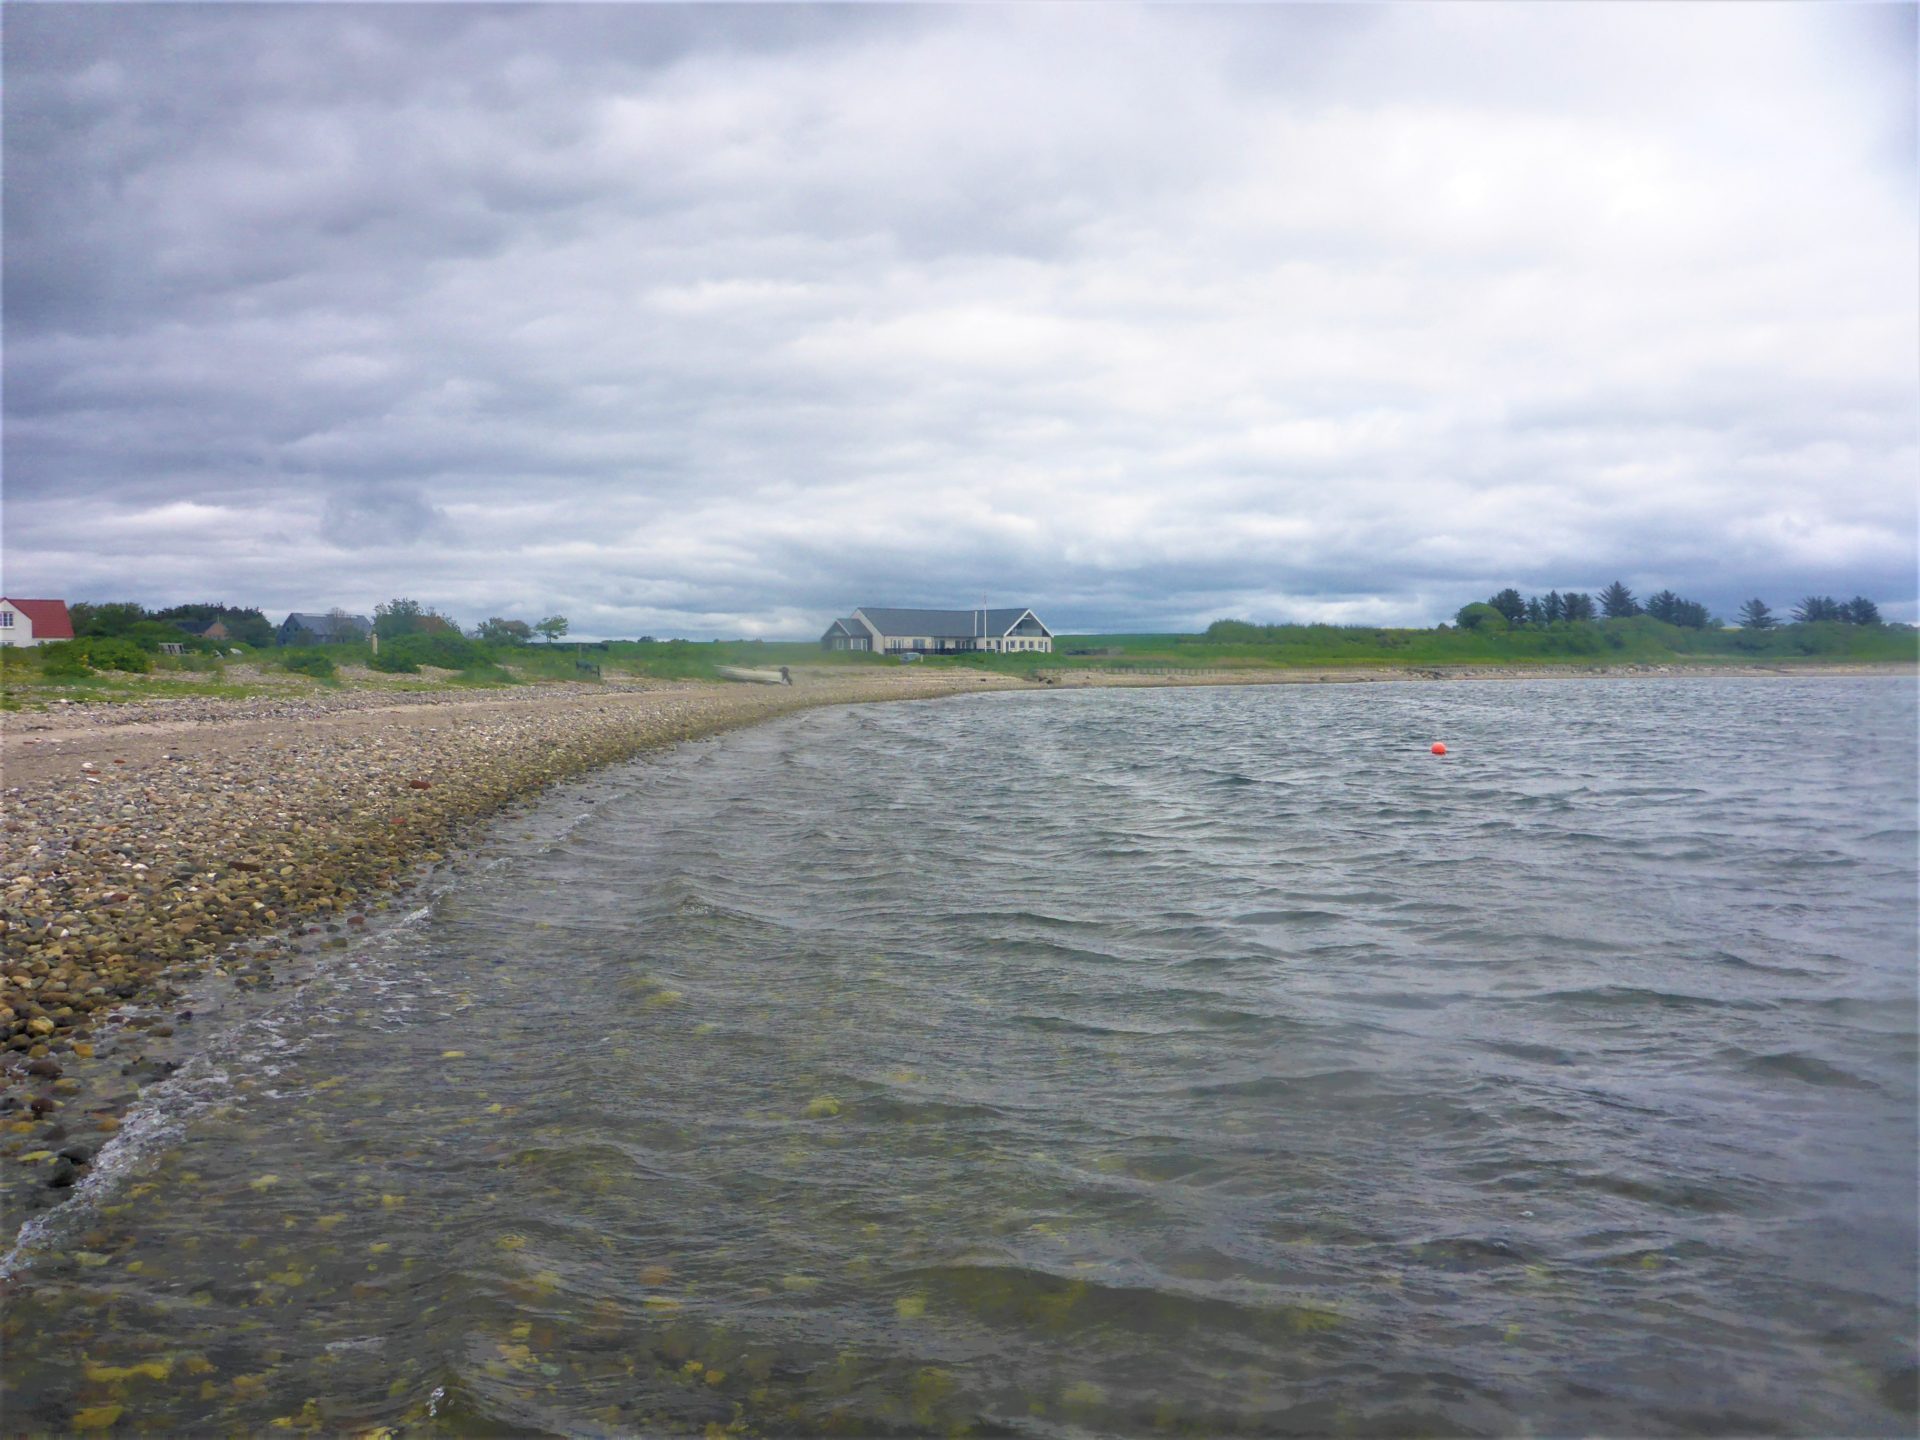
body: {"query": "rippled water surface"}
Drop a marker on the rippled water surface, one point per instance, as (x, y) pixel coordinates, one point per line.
(1124, 1061)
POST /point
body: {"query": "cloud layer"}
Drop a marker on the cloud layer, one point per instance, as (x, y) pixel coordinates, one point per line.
(721, 320)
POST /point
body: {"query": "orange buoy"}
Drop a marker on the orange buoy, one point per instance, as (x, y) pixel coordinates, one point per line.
(1438, 748)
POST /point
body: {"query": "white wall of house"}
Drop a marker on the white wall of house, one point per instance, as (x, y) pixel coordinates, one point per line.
(16, 626)
(1005, 645)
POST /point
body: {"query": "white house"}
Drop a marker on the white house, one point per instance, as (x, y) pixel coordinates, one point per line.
(34, 622)
(938, 632)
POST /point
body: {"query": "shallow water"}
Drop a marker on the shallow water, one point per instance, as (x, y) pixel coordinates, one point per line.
(1118, 1061)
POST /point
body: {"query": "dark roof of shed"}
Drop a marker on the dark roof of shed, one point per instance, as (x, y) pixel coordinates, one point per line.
(324, 624)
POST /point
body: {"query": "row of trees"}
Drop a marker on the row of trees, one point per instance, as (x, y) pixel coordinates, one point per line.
(409, 617)
(128, 620)
(1617, 602)
(519, 632)
(1755, 615)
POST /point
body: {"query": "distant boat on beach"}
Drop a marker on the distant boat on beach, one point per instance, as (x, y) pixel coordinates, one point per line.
(754, 677)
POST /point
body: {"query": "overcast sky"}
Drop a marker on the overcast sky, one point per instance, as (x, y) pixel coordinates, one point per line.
(723, 320)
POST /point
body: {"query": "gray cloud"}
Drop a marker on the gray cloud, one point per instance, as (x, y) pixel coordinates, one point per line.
(722, 319)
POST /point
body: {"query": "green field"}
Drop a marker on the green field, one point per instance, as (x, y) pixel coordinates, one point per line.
(1233, 645)
(76, 672)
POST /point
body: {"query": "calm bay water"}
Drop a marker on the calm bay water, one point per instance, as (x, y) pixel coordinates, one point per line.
(1109, 1062)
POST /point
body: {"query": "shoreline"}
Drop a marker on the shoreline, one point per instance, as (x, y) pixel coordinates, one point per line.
(142, 857)
(147, 848)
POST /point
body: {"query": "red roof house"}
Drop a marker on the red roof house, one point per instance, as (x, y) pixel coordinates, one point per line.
(34, 622)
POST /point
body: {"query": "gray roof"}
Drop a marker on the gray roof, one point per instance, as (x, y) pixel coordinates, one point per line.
(848, 627)
(944, 624)
(324, 624)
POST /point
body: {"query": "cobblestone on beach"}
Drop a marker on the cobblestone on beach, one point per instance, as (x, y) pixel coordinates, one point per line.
(139, 853)
(288, 697)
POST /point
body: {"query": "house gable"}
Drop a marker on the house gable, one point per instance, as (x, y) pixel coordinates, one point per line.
(848, 634)
(44, 621)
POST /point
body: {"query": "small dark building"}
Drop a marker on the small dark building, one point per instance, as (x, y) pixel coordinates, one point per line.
(337, 628)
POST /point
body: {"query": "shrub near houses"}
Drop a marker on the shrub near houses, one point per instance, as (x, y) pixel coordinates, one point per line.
(306, 660)
(405, 654)
(69, 658)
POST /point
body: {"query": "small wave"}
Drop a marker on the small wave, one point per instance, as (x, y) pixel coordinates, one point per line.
(1633, 996)
(1725, 1195)
(1065, 1025)
(156, 1122)
(1466, 1253)
(1538, 1054)
(1232, 780)
(1037, 1298)
(1274, 1087)
(898, 1110)
(1809, 1069)
(1291, 917)
(1743, 962)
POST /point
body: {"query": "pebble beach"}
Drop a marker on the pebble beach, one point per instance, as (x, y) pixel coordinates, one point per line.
(146, 846)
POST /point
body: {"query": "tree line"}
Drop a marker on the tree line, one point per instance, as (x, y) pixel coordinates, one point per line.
(399, 617)
(1617, 602)
(126, 620)
(129, 620)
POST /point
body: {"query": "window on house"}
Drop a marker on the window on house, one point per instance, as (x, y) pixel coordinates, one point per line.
(6, 619)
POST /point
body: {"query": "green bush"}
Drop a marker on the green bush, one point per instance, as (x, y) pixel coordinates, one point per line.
(446, 652)
(312, 662)
(106, 653)
(392, 664)
(485, 673)
(193, 662)
(1480, 616)
(60, 661)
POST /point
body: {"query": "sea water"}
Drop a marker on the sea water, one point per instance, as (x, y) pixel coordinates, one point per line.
(1135, 1061)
